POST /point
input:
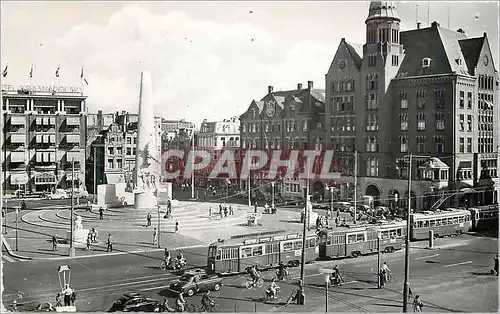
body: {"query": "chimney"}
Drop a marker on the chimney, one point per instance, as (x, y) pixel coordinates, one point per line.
(418, 25)
(269, 89)
(299, 86)
(435, 24)
(310, 85)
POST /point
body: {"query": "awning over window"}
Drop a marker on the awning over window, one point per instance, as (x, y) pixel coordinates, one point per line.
(45, 178)
(113, 178)
(18, 178)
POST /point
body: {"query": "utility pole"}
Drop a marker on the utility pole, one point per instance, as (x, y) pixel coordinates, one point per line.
(159, 230)
(248, 182)
(407, 243)
(302, 296)
(95, 174)
(355, 183)
(192, 165)
(71, 244)
(378, 260)
(272, 197)
(17, 228)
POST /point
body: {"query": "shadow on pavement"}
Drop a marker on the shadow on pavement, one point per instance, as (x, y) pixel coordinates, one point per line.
(388, 305)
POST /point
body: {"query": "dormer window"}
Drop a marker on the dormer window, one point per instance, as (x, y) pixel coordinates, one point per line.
(458, 61)
(426, 62)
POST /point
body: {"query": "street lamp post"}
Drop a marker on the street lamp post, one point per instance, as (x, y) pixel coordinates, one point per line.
(355, 183)
(326, 272)
(330, 212)
(272, 195)
(407, 240)
(192, 165)
(17, 228)
(71, 251)
(159, 230)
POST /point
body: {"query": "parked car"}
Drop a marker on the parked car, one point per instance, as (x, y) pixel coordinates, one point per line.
(57, 194)
(79, 193)
(135, 302)
(196, 281)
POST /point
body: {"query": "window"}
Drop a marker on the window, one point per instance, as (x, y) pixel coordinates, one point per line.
(395, 60)
(462, 96)
(371, 122)
(421, 121)
(111, 150)
(372, 144)
(246, 252)
(129, 140)
(403, 119)
(403, 98)
(372, 81)
(439, 121)
(372, 60)
(297, 245)
(469, 144)
(421, 99)
(421, 144)
(110, 163)
(469, 123)
(461, 123)
(119, 164)
(403, 141)
(439, 96)
(257, 251)
(372, 101)
(426, 62)
(461, 145)
(469, 100)
(372, 167)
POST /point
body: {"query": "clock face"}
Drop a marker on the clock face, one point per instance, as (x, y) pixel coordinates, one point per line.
(342, 64)
(485, 60)
(270, 108)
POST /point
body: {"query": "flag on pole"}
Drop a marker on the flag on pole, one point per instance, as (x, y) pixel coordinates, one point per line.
(4, 73)
(82, 77)
(31, 71)
(57, 71)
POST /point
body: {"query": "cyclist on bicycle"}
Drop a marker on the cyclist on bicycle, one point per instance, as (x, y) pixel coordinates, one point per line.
(179, 302)
(206, 301)
(254, 274)
(282, 272)
(167, 258)
(273, 289)
(336, 274)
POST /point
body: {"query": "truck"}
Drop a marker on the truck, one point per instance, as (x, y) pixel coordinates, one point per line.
(194, 281)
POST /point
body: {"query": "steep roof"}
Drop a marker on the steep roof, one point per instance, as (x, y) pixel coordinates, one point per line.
(471, 49)
(441, 45)
(356, 51)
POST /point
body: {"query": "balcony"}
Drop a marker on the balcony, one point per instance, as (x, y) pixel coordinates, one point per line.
(17, 157)
(73, 138)
(48, 121)
(18, 138)
(16, 120)
(45, 139)
(73, 121)
(45, 157)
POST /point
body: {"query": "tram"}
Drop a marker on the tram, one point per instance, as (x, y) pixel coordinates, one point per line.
(484, 217)
(447, 222)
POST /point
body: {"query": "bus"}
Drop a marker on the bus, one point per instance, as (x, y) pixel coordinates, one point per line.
(444, 223)
(362, 240)
(484, 217)
(234, 256)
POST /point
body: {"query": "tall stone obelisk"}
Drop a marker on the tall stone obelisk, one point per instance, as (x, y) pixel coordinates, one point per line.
(146, 160)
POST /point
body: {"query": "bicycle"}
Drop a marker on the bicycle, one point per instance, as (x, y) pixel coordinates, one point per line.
(212, 307)
(337, 281)
(163, 265)
(188, 307)
(249, 284)
(390, 277)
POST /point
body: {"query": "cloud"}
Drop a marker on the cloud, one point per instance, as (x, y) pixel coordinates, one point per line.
(200, 68)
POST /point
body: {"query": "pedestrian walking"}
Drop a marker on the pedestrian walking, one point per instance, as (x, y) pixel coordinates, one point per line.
(417, 304)
(148, 220)
(89, 240)
(73, 298)
(54, 243)
(58, 299)
(14, 306)
(225, 211)
(220, 212)
(210, 212)
(110, 244)
(89, 206)
(495, 265)
(155, 236)
(231, 210)
(255, 208)
(176, 227)
(67, 292)
(101, 213)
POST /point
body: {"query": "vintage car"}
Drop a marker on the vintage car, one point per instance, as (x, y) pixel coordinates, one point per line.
(196, 281)
(135, 302)
(57, 194)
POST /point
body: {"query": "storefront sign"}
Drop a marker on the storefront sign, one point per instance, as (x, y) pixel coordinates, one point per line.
(42, 89)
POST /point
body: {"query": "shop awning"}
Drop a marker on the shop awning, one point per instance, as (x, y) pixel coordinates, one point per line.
(18, 178)
(113, 178)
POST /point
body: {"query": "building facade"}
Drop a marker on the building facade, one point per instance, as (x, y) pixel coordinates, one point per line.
(285, 120)
(44, 133)
(428, 91)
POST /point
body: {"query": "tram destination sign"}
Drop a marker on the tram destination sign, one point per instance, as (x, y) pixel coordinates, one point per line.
(42, 89)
